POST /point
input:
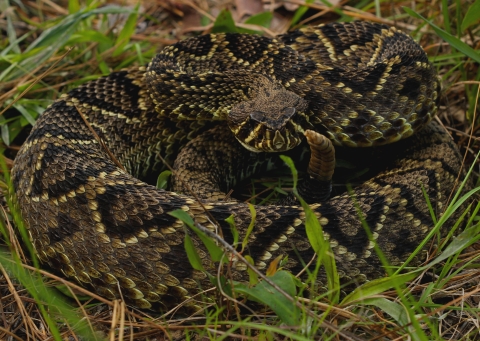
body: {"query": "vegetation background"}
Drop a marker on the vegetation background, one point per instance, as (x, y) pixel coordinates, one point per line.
(49, 47)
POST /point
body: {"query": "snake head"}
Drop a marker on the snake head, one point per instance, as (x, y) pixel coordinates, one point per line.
(273, 121)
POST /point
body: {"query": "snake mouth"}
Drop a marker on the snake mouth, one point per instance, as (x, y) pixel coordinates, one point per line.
(259, 138)
(263, 132)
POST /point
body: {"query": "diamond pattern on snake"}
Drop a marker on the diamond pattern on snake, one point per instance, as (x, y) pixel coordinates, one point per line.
(358, 84)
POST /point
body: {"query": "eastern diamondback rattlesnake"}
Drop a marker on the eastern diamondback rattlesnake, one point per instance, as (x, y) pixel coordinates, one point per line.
(360, 84)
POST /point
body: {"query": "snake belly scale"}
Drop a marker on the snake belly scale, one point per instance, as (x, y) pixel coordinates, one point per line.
(360, 84)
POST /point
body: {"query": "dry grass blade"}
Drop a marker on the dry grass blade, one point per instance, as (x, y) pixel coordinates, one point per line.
(100, 141)
(35, 81)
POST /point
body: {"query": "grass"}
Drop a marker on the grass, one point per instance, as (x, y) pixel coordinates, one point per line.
(45, 50)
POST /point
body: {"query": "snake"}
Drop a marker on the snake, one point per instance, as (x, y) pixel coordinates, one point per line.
(364, 86)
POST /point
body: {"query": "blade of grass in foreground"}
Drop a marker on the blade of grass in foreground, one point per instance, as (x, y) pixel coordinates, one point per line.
(454, 205)
(452, 40)
(365, 293)
(46, 297)
(32, 281)
(51, 40)
(317, 240)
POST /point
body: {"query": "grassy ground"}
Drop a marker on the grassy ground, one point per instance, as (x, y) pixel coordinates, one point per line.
(47, 49)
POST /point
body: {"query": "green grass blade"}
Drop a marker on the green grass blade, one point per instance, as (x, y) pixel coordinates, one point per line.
(446, 16)
(126, 32)
(264, 293)
(162, 180)
(393, 309)
(45, 296)
(87, 36)
(25, 113)
(459, 243)
(192, 254)
(32, 281)
(323, 250)
(472, 16)
(261, 19)
(12, 36)
(233, 228)
(292, 167)
(455, 204)
(452, 40)
(56, 37)
(215, 251)
(224, 23)
(299, 13)
(252, 276)
(73, 6)
(378, 286)
(317, 239)
(253, 213)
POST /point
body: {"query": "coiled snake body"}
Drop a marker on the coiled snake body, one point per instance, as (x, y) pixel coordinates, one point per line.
(360, 84)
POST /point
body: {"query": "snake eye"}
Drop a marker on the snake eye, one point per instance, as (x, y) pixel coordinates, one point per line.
(289, 112)
(258, 116)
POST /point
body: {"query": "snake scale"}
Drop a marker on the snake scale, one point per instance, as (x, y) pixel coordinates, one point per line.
(360, 84)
